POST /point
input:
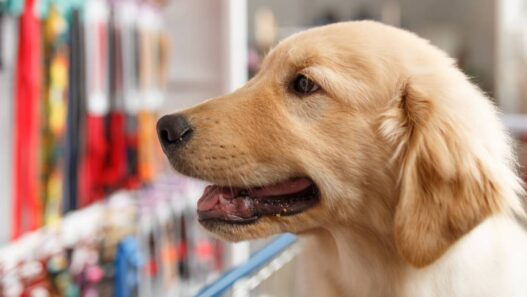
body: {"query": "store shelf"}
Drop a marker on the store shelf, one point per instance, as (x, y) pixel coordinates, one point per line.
(255, 262)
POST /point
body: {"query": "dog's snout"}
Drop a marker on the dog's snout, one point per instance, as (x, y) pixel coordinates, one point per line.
(173, 131)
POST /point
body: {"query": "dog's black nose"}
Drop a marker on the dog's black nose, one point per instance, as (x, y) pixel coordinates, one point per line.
(173, 131)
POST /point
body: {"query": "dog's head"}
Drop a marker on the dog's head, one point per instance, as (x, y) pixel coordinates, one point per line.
(354, 124)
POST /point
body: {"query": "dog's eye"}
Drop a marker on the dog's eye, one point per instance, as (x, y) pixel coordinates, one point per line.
(303, 85)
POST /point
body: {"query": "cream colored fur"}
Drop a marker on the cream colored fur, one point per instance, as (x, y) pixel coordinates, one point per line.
(419, 194)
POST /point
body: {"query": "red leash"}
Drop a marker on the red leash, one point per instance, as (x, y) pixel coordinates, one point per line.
(115, 172)
(93, 184)
(27, 119)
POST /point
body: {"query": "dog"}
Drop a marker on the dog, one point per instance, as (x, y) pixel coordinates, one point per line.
(377, 151)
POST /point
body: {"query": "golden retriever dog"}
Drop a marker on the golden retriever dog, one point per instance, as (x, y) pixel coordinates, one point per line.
(372, 146)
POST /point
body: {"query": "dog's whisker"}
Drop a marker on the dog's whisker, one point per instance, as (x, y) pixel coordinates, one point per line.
(229, 183)
(244, 182)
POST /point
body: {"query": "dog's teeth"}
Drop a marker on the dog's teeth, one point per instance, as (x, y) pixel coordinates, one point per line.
(223, 201)
(247, 202)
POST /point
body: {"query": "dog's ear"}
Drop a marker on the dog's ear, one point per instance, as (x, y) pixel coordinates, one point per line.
(444, 188)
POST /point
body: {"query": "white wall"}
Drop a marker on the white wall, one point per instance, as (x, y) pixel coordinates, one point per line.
(511, 78)
(196, 67)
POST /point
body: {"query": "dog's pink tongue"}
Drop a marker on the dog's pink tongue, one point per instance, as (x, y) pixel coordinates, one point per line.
(219, 203)
(211, 197)
(284, 188)
(212, 194)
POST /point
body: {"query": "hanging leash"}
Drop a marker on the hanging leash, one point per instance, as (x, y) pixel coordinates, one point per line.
(27, 209)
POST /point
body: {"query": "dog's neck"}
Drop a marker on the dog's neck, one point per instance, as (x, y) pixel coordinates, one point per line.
(358, 254)
(367, 260)
(362, 248)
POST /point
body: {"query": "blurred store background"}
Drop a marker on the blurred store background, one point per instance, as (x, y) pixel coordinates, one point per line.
(88, 206)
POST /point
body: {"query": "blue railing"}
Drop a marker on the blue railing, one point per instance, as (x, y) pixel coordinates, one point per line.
(255, 262)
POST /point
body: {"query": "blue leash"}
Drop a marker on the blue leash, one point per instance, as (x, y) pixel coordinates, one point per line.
(255, 262)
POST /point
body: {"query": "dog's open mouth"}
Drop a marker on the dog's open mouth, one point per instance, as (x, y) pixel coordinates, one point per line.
(239, 205)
